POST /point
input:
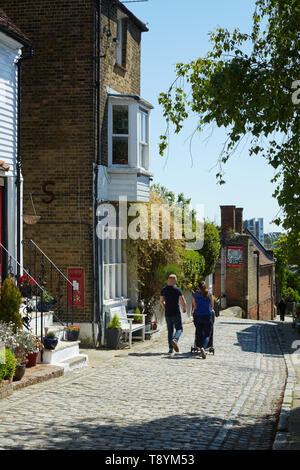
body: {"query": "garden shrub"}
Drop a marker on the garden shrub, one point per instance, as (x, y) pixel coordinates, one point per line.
(114, 323)
(10, 303)
(7, 369)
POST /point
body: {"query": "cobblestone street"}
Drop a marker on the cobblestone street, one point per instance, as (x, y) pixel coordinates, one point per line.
(148, 400)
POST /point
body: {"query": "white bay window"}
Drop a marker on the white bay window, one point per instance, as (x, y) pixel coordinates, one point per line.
(128, 147)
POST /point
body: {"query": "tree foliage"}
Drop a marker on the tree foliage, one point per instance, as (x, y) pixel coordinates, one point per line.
(153, 258)
(193, 268)
(211, 247)
(244, 84)
(287, 253)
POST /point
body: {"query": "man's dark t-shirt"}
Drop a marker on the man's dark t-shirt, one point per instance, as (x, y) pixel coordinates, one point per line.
(171, 295)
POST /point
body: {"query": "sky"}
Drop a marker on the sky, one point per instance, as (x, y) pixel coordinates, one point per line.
(178, 32)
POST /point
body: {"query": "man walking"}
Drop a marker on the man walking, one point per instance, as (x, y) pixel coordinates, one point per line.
(169, 300)
(282, 309)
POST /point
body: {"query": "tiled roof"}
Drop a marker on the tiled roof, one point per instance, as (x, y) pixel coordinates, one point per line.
(8, 27)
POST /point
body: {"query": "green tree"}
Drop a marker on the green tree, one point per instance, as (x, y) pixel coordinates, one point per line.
(244, 84)
(152, 259)
(211, 247)
(193, 268)
(287, 252)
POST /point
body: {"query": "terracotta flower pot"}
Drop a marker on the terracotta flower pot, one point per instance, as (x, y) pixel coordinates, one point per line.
(32, 359)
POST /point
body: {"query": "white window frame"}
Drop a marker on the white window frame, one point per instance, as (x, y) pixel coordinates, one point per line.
(114, 267)
(134, 109)
(143, 113)
(119, 135)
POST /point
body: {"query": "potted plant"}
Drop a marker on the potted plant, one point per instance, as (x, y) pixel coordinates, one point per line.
(113, 333)
(26, 284)
(73, 332)
(20, 354)
(20, 368)
(50, 341)
(8, 336)
(32, 355)
(137, 318)
(47, 300)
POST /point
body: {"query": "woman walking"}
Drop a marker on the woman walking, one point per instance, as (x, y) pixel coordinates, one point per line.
(203, 313)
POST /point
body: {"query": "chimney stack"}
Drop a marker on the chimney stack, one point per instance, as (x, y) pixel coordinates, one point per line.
(227, 219)
(239, 219)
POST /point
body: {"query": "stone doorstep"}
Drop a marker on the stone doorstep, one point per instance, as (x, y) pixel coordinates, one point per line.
(76, 362)
(59, 331)
(64, 350)
(35, 317)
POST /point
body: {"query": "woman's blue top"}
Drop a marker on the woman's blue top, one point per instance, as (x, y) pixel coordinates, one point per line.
(202, 304)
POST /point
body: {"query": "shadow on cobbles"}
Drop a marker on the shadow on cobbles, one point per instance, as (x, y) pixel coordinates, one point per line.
(192, 431)
(185, 355)
(260, 337)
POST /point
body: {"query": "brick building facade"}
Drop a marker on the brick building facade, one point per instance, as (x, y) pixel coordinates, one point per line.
(248, 269)
(84, 52)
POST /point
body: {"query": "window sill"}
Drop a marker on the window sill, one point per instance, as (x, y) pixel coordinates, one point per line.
(129, 170)
(116, 301)
(120, 67)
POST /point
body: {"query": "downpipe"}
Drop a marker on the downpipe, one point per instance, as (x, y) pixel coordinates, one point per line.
(19, 156)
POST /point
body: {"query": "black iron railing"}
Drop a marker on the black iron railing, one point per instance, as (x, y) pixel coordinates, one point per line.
(58, 289)
(32, 293)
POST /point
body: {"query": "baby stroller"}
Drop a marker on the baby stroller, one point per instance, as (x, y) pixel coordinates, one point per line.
(210, 347)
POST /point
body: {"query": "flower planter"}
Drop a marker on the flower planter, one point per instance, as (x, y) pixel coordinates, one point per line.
(26, 292)
(19, 372)
(47, 306)
(113, 336)
(32, 359)
(73, 335)
(50, 343)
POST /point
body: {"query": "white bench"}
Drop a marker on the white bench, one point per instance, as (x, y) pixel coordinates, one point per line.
(127, 325)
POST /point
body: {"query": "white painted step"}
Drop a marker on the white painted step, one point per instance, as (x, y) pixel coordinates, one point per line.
(64, 350)
(35, 322)
(75, 362)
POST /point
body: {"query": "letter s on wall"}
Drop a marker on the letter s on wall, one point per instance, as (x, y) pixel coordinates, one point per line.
(49, 193)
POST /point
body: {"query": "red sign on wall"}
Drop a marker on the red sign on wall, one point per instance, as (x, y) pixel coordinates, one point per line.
(76, 277)
(234, 256)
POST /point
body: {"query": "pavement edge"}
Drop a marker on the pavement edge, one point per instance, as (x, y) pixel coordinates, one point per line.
(282, 436)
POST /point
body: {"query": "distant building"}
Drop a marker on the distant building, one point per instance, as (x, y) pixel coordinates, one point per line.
(245, 275)
(256, 226)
